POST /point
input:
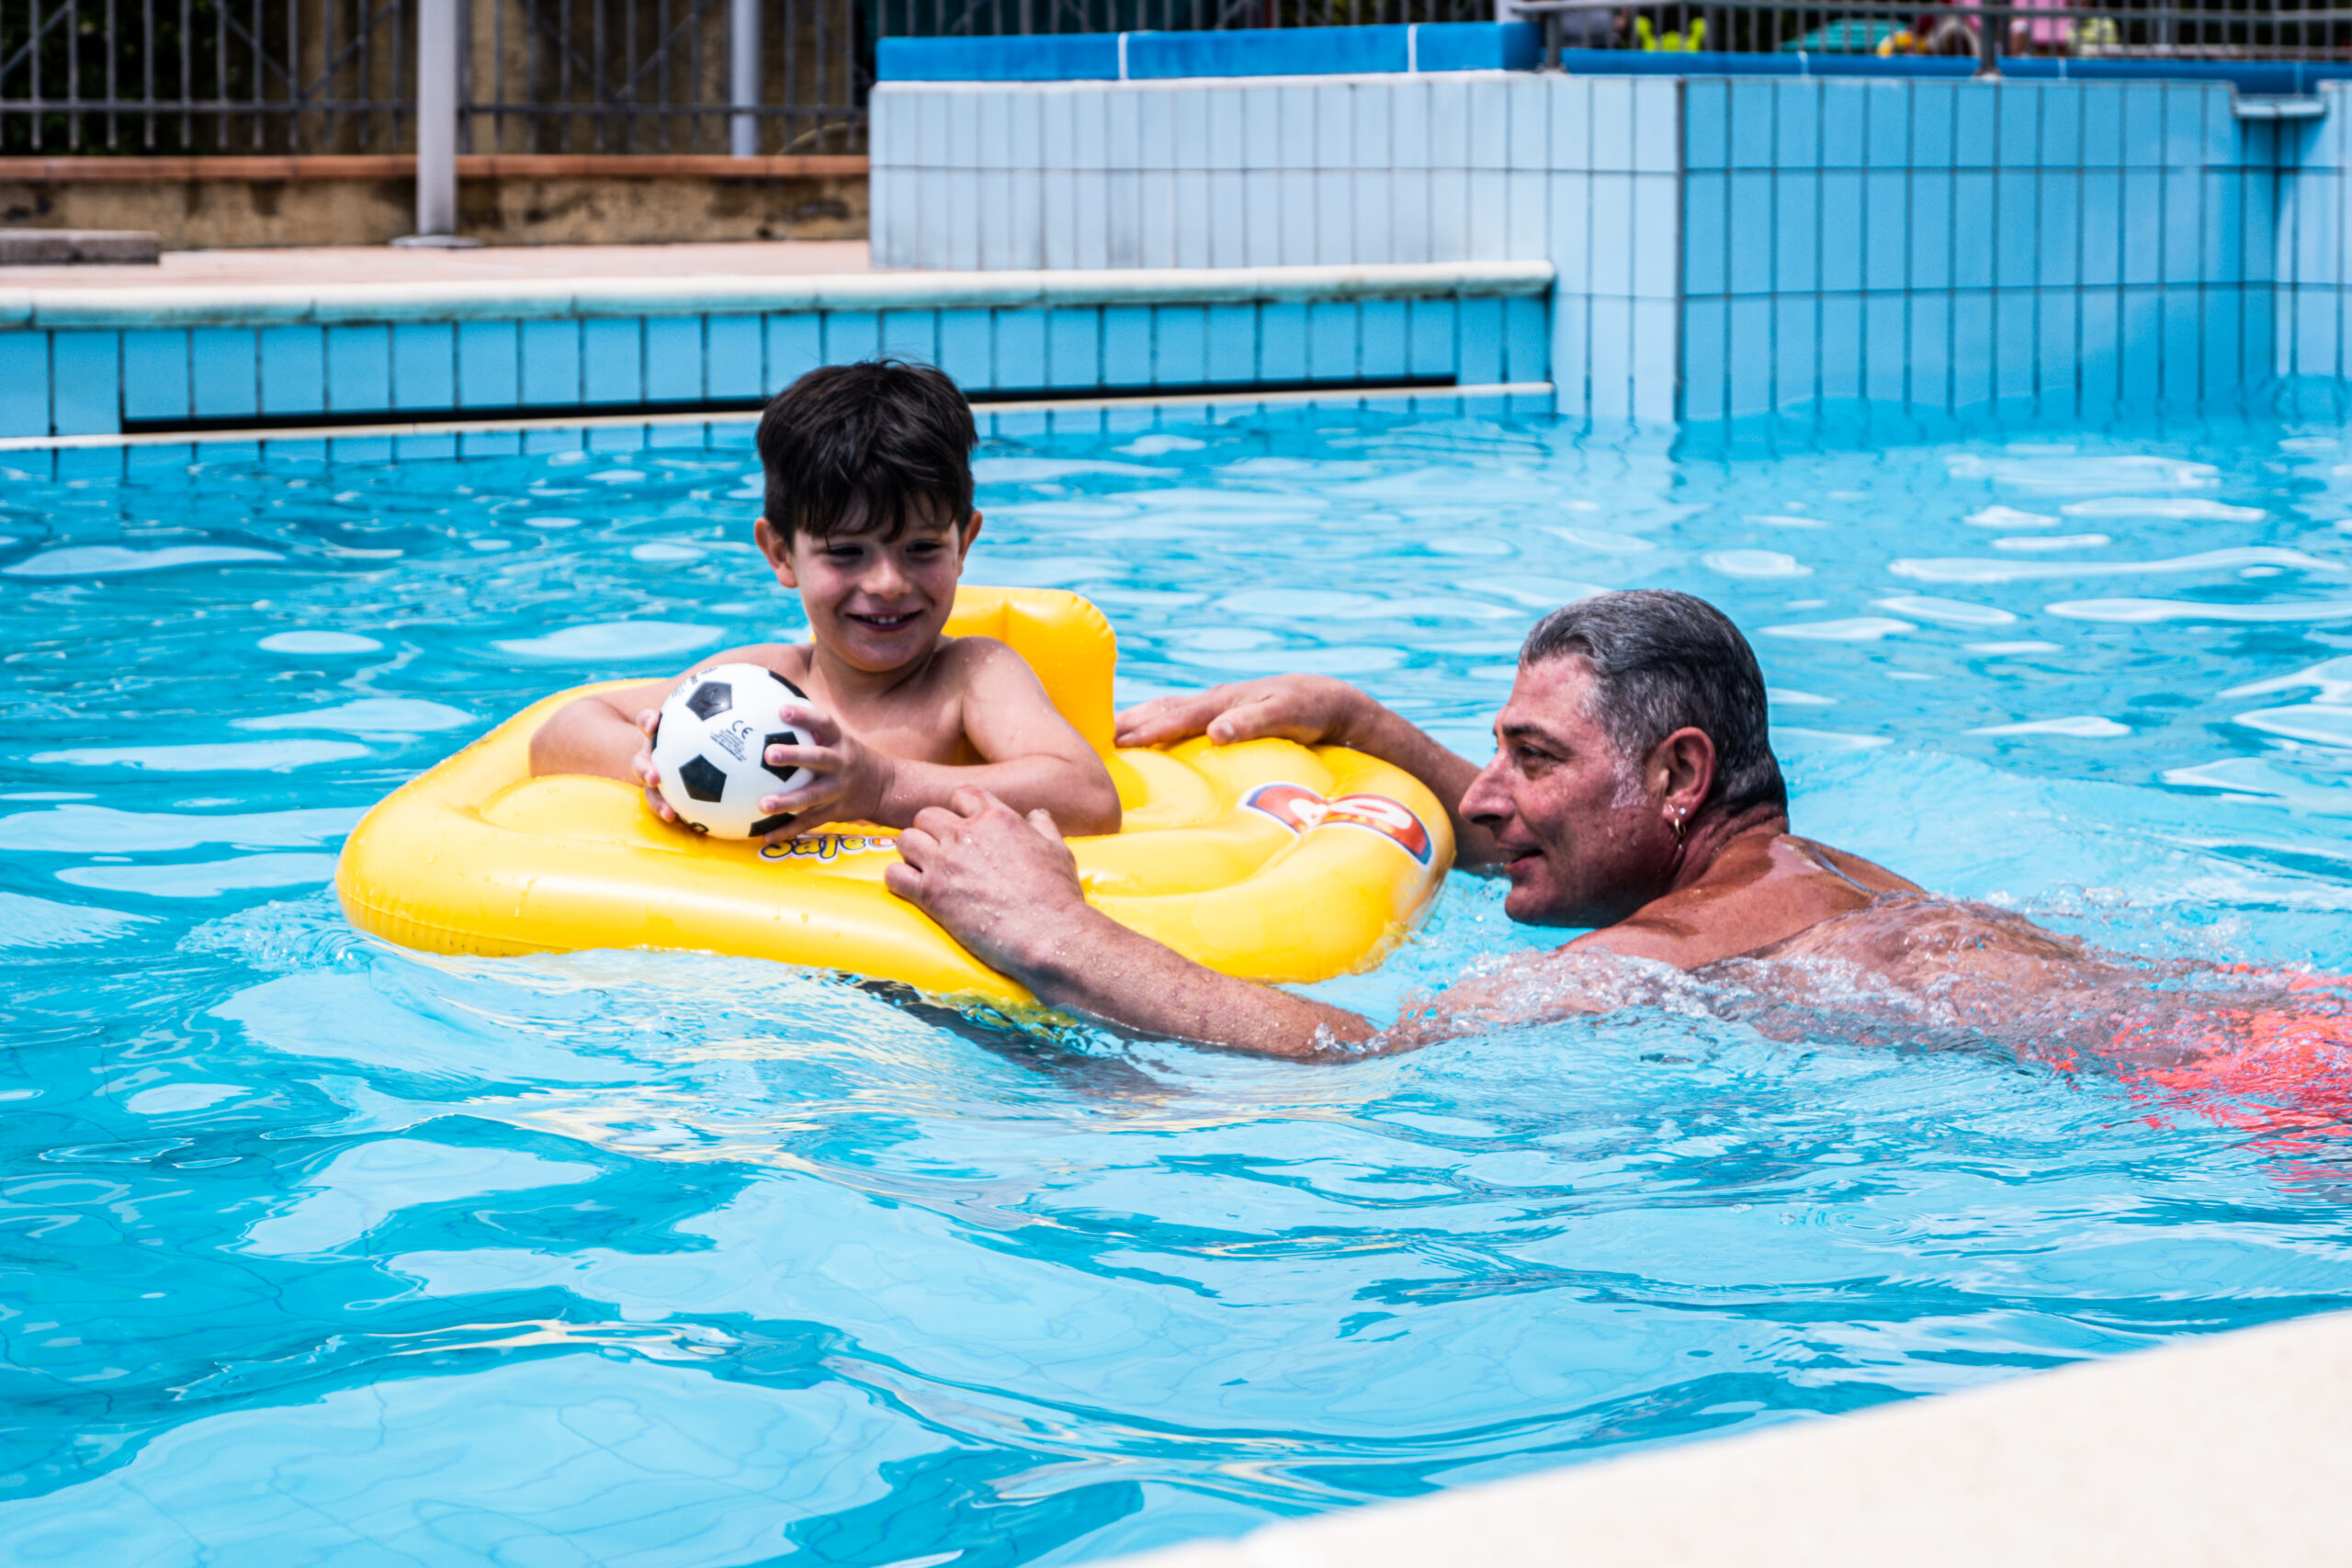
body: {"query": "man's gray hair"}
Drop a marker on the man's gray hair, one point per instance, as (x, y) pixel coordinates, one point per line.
(1662, 661)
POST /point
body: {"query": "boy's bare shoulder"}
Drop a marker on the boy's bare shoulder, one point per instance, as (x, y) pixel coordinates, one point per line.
(968, 658)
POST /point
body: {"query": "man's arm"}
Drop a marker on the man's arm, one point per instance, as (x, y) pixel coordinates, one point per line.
(1317, 710)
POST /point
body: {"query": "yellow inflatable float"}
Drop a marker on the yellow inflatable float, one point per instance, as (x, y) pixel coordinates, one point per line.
(1267, 860)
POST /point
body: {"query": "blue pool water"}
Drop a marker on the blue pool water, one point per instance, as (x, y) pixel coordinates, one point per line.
(317, 1251)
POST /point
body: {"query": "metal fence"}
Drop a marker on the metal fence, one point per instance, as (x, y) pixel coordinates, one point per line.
(228, 77)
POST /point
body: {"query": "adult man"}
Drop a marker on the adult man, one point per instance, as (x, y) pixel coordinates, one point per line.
(1633, 791)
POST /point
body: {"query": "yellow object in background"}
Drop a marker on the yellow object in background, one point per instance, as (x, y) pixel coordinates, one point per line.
(1269, 861)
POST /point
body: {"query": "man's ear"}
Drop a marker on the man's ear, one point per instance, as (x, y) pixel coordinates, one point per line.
(1687, 758)
(778, 547)
(971, 534)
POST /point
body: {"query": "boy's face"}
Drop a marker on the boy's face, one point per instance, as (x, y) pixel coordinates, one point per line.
(875, 604)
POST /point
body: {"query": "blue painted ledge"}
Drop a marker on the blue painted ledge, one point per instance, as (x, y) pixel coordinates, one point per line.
(1484, 46)
(1241, 51)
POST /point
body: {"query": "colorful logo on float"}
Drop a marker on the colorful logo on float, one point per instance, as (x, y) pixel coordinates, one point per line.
(1300, 809)
(826, 847)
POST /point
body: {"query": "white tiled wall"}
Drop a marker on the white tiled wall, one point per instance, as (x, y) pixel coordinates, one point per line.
(1583, 171)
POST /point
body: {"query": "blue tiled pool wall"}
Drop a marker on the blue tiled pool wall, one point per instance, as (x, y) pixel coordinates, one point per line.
(1724, 246)
(90, 379)
(1471, 166)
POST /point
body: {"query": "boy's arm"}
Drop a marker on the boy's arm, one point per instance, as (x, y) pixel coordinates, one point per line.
(1032, 759)
(598, 734)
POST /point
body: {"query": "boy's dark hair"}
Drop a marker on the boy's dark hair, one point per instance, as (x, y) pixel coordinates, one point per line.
(1661, 661)
(889, 432)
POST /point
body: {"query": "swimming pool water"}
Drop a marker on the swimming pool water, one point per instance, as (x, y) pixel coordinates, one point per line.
(320, 1251)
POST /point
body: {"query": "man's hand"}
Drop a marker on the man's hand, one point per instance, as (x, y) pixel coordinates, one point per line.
(1003, 885)
(852, 779)
(1309, 709)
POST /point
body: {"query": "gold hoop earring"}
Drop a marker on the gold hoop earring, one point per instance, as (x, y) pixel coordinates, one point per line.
(1680, 824)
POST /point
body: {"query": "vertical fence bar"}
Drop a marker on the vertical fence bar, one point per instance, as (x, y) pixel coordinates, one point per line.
(436, 118)
(743, 76)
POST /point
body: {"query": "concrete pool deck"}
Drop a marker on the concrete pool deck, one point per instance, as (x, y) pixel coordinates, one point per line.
(2223, 1452)
(307, 266)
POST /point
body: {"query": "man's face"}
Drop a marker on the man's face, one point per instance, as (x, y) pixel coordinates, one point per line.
(1582, 841)
(875, 604)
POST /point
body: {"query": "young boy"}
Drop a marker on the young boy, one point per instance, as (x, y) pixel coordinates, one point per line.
(869, 515)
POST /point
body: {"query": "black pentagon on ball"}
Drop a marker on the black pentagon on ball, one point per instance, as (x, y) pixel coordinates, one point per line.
(782, 737)
(710, 697)
(703, 781)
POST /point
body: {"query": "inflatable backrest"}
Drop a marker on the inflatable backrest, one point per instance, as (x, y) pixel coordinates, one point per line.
(1066, 640)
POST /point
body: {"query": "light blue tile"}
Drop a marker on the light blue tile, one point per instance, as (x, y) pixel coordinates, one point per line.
(1261, 219)
(1657, 348)
(1797, 349)
(1787, 207)
(1656, 227)
(851, 337)
(1527, 332)
(1929, 374)
(732, 359)
(1074, 422)
(2141, 341)
(1128, 420)
(2099, 358)
(1971, 348)
(2016, 218)
(1931, 228)
(1194, 218)
(1527, 219)
(2017, 125)
(1020, 350)
(1372, 208)
(1658, 125)
(425, 365)
(1884, 355)
(1489, 192)
(2143, 231)
(1706, 346)
(1527, 99)
(2185, 225)
(1841, 347)
(85, 396)
(674, 359)
(1706, 228)
(965, 348)
(293, 370)
(1296, 147)
(1448, 216)
(1331, 341)
(1180, 348)
(424, 449)
(611, 356)
(2184, 127)
(1706, 124)
(1126, 346)
(2258, 338)
(224, 372)
(1384, 349)
(992, 197)
(1233, 342)
(1408, 123)
(1796, 131)
(615, 438)
(911, 335)
(1610, 358)
(1844, 101)
(2056, 368)
(2102, 122)
(2184, 335)
(682, 438)
(1886, 203)
(488, 365)
(1412, 222)
(1121, 218)
(2100, 210)
(1933, 104)
(1842, 230)
(105, 464)
(154, 376)
(2015, 345)
(1282, 342)
(2222, 378)
(1449, 123)
(1972, 230)
(1074, 347)
(1753, 103)
(2062, 127)
(1888, 142)
(795, 345)
(538, 442)
(1123, 129)
(1571, 355)
(2058, 245)
(1975, 137)
(2143, 142)
(490, 444)
(1748, 389)
(1433, 337)
(551, 362)
(1613, 230)
(1612, 124)
(157, 456)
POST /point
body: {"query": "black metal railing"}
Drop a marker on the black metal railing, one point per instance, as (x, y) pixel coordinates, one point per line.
(997, 18)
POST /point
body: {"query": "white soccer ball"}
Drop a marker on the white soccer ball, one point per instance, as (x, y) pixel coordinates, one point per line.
(711, 748)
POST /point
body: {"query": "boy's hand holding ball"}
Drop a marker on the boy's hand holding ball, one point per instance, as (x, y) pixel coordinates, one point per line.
(851, 780)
